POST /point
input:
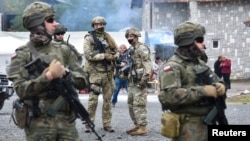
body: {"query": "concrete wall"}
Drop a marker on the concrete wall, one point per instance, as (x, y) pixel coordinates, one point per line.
(223, 22)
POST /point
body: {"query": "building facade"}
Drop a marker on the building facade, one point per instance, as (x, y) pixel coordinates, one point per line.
(226, 32)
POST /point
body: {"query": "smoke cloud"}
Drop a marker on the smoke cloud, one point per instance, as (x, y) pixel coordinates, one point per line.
(118, 14)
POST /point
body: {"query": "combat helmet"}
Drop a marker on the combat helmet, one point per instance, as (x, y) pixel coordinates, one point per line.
(60, 29)
(98, 19)
(132, 31)
(185, 33)
(35, 14)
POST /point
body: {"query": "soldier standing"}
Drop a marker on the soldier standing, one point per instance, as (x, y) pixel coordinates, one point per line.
(35, 89)
(180, 90)
(59, 37)
(101, 52)
(138, 78)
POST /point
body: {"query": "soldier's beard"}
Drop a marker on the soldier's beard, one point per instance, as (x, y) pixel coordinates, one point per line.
(39, 35)
(191, 51)
(195, 52)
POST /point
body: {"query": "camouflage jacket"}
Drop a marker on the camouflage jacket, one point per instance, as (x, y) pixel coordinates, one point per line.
(73, 49)
(179, 90)
(94, 58)
(142, 62)
(25, 87)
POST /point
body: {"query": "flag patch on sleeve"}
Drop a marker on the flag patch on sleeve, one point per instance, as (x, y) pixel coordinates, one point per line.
(167, 68)
(13, 56)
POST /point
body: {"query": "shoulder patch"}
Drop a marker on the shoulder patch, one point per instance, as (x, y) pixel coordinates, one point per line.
(167, 68)
(13, 56)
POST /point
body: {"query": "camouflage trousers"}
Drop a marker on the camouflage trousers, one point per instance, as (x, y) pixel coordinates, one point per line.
(106, 88)
(137, 104)
(55, 128)
(192, 131)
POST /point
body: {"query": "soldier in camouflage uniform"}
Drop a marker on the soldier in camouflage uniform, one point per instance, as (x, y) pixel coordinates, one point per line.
(179, 91)
(100, 52)
(35, 90)
(138, 78)
(59, 37)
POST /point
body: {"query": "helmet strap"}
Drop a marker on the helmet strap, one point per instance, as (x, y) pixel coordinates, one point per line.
(39, 35)
(190, 51)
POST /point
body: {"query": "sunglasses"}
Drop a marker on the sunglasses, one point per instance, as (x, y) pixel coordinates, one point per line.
(61, 33)
(50, 20)
(199, 40)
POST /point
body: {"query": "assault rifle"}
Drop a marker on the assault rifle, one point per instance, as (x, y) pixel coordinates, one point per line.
(101, 49)
(129, 61)
(130, 65)
(216, 116)
(65, 88)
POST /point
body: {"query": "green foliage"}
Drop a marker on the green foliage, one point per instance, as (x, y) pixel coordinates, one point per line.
(239, 99)
(15, 7)
(16, 24)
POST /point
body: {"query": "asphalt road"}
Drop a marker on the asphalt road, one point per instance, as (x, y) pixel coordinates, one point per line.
(237, 114)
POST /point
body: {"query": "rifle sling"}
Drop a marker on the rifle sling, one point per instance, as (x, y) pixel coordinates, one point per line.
(33, 50)
(57, 104)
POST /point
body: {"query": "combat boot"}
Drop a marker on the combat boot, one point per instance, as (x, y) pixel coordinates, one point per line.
(141, 131)
(133, 129)
(109, 129)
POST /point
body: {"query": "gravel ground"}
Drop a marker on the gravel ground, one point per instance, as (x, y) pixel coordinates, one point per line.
(121, 120)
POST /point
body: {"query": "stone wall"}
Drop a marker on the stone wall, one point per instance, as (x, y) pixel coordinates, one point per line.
(223, 22)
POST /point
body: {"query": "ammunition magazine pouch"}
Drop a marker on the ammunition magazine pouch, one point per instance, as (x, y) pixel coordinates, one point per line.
(20, 114)
(54, 108)
(137, 75)
(170, 125)
(95, 88)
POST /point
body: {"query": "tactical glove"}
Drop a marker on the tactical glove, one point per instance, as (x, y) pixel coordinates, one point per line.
(220, 88)
(109, 57)
(56, 69)
(210, 91)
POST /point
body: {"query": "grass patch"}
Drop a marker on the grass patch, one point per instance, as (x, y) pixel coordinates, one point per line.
(239, 99)
(240, 80)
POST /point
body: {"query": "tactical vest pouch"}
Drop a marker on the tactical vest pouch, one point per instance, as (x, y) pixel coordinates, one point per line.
(139, 73)
(20, 114)
(170, 125)
(95, 88)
